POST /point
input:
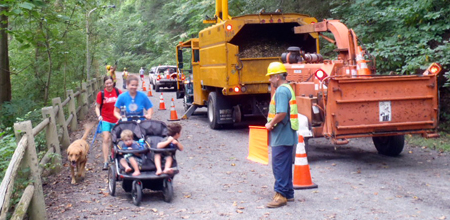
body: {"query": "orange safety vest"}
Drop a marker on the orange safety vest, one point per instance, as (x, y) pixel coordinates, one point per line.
(293, 113)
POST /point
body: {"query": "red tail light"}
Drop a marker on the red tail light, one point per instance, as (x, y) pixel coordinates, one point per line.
(159, 77)
(229, 27)
(235, 89)
(320, 74)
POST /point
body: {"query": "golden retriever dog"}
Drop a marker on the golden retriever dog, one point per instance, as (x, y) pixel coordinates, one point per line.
(77, 154)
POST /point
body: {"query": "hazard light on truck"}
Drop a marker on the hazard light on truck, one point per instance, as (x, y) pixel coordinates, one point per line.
(434, 69)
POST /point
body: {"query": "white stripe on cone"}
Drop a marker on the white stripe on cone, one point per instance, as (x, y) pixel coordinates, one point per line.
(300, 154)
(301, 161)
(300, 148)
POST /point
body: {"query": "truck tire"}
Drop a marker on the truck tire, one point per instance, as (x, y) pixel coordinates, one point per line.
(212, 110)
(389, 145)
(156, 88)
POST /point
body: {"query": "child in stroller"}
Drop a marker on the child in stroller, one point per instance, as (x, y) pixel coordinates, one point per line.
(135, 160)
(169, 142)
(149, 133)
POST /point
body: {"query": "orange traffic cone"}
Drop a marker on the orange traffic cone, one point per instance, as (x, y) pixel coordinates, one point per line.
(361, 65)
(302, 176)
(149, 90)
(143, 86)
(162, 105)
(173, 113)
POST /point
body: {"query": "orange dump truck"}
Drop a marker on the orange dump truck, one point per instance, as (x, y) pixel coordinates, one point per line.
(342, 98)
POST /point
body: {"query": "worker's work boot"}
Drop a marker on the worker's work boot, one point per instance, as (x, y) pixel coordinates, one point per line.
(277, 201)
(289, 200)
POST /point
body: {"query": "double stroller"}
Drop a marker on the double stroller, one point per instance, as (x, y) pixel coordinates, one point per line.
(152, 132)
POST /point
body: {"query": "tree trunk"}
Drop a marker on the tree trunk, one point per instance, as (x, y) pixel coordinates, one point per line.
(5, 75)
(46, 34)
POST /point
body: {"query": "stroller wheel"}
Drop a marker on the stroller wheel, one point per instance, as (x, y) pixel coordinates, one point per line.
(112, 179)
(167, 190)
(136, 192)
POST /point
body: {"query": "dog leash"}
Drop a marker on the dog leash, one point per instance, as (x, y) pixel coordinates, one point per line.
(99, 130)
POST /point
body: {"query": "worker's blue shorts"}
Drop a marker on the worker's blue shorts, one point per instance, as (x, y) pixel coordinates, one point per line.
(106, 126)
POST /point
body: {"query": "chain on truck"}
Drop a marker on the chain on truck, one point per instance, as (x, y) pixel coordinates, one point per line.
(337, 99)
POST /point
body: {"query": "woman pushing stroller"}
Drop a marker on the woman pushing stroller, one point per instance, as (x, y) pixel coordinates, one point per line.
(135, 102)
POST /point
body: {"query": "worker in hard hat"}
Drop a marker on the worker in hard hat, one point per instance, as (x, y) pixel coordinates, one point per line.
(282, 123)
(111, 71)
(124, 77)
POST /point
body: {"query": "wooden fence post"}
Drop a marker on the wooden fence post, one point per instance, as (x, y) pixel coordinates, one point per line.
(92, 90)
(61, 121)
(72, 111)
(96, 89)
(82, 114)
(52, 135)
(37, 205)
(84, 104)
(100, 83)
(89, 90)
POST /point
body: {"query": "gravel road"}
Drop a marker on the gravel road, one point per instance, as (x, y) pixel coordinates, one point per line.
(216, 181)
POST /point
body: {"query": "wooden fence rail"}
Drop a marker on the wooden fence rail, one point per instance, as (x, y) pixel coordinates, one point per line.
(56, 125)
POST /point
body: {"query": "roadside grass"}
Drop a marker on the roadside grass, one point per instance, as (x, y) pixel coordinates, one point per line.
(441, 144)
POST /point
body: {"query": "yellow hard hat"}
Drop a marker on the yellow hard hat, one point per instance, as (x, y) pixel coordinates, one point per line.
(275, 68)
(125, 68)
(108, 67)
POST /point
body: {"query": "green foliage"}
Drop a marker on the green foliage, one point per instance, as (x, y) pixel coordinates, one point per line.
(52, 164)
(45, 52)
(7, 147)
(404, 35)
(11, 111)
(442, 143)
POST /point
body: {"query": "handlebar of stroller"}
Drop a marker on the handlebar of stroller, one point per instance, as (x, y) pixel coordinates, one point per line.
(136, 118)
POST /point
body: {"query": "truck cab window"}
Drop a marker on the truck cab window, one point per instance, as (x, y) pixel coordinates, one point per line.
(196, 56)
